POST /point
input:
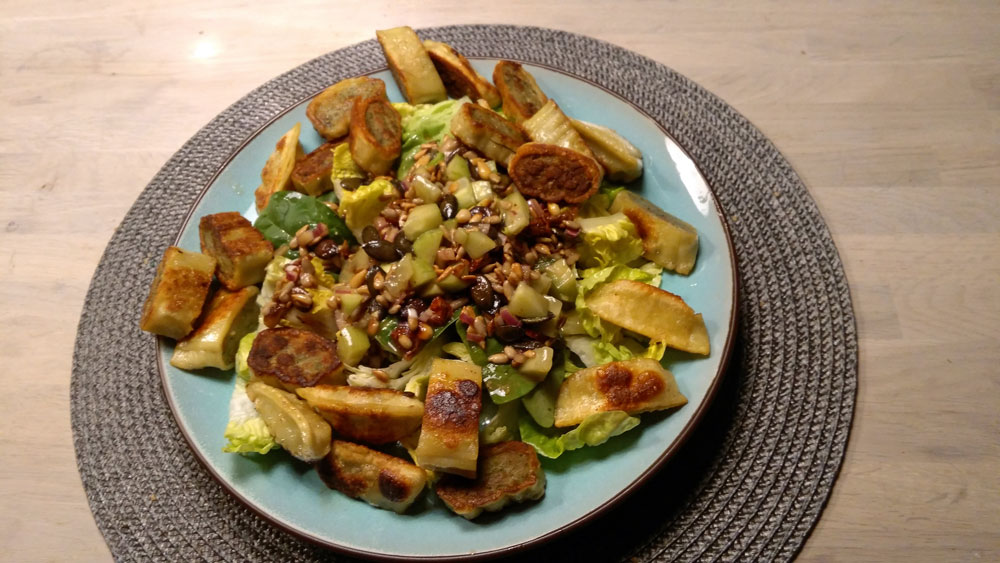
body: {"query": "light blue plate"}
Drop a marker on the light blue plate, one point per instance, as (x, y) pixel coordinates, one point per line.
(582, 483)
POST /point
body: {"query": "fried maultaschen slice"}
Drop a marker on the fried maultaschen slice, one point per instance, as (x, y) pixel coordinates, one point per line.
(311, 174)
(652, 312)
(520, 93)
(550, 125)
(241, 251)
(621, 160)
(554, 173)
(376, 135)
(178, 293)
(670, 242)
(488, 132)
(291, 358)
(295, 426)
(508, 472)
(277, 173)
(330, 110)
(459, 78)
(449, 434)
(363, 414)
(379, 479)
(229, 317)
(411, 66)
(634, 386)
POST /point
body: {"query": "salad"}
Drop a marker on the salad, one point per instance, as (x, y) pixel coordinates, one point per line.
(446, 293)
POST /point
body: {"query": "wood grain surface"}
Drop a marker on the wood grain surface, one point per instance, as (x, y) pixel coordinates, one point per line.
(890, 112)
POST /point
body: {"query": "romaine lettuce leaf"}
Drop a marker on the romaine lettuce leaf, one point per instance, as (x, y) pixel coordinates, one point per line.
(360, 207)
(608, 240)
(246, 431)
(593, 431)
(242, 353)
(423, 123)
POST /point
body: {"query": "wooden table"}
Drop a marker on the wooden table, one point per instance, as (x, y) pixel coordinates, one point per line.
(889, 111)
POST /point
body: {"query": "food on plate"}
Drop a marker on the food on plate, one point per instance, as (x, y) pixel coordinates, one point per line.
(377, 478)
(555, 174)
(621, 160)
(519, 92)
(241, 251)
(447, 293)
(459, 78)
(549, 125)
(449, 433)
(295, 426)
(509, 472)
(229, 316)
(311, 174)
(652, 312)
(488, 132)
(632, 386)
(364, 414)
(290, 358)
(667, 240)
(330, 111)
(178, 293)
(277, 173)
(411, 66)
(375, 140)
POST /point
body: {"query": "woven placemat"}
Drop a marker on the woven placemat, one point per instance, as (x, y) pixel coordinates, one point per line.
(749, 484)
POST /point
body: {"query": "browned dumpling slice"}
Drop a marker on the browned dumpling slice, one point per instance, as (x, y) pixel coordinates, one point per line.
(291, 358)
(330, 110)
(379, 479)
(178, 293)
(295, 426)
(411, 66)
(277, 173)
(362, 414)
(459, 78)
(667, 240)
(311, 174)
(520, 93)
(241, 251)
(488, 132)
(652, 312)
(554, 173)
(376, 135)
(634, 386)
(229, 317)
(449, 435)
(508, 472)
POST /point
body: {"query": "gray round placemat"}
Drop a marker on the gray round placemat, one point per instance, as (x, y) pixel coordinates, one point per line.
(749, 484)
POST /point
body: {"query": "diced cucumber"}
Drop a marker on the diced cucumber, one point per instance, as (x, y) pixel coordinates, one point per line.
(573, 325)
(464, 193)
(400, 276)
(537, 367)
(516, 215)
(482, 189)
(563, 280)
(427, 244)
(528, 303)
(457, 168)
(477, 243)
(349, 302)
(426, 189)
(422, 219)
(542, 284)
(432, 290)
(423, 273)
(352, 345)
(551, 327)
(453, 283)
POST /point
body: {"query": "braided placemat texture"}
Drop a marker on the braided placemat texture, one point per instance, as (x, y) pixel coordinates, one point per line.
(749, 484)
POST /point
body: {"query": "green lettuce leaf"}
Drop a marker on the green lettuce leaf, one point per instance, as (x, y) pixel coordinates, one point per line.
(246, 431)
(593, 431)
(242, 353)
(608, 240)
(360, 207)
(343, 164)
(287, 212)
(423, 123)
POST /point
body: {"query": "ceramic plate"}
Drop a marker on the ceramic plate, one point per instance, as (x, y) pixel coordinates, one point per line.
(582, 483)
